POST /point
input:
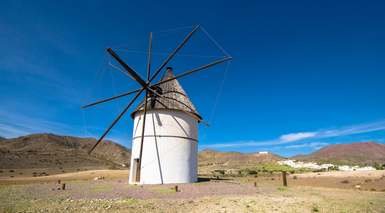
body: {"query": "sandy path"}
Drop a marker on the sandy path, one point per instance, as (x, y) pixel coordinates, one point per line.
(83, 175)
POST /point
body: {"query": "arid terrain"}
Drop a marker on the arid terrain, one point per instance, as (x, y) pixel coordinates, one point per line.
(47, 154)
(34, 168)
(111, 193)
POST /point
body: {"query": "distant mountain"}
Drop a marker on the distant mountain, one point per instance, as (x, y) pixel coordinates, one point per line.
(67, 153)
(209, 160)
(362, 153)
(58, 154)
(61, 153)
(2, 138)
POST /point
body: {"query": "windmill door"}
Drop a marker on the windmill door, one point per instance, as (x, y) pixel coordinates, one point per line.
(136, 169)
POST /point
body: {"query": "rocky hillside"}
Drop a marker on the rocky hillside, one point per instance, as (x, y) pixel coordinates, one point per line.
(60, 153)
(363, 153)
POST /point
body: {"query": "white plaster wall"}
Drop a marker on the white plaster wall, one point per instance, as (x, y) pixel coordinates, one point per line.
(171, 157)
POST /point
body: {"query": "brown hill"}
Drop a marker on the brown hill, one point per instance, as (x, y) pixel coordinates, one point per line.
(362, 153)
(210, 160)
(64, 153)
(49, 153)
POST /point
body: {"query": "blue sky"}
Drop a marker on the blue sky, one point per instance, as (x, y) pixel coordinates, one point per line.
(305, 74)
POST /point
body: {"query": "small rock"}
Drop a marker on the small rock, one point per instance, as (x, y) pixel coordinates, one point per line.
(99, 178)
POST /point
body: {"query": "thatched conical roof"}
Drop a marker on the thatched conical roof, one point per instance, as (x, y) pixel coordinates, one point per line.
(174, 98)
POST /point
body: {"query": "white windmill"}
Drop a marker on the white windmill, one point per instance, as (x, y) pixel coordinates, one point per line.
(165, 136)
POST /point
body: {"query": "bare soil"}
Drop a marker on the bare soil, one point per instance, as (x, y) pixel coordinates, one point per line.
(112, 194)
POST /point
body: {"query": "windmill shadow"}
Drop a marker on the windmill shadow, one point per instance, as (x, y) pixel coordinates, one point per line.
(156, 147)
(208, 179)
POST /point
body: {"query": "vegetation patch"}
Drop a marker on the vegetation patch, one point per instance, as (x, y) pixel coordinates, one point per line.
(164, 190)
(102, 188)
(315, 208)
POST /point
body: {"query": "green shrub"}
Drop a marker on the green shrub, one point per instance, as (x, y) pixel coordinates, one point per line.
(378, 166)
(315, 209)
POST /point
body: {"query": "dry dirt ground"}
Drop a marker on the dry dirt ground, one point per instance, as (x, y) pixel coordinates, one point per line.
(305, 193)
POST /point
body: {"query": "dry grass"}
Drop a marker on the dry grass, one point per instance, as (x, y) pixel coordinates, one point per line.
(235, 195)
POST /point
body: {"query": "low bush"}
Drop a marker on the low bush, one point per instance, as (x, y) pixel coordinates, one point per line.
(315, 209)
(378, 166)
(218, 172)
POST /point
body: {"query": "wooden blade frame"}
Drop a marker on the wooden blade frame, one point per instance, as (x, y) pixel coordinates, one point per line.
(140, 81)
(139, 166)
(203, 67)
(146, 86)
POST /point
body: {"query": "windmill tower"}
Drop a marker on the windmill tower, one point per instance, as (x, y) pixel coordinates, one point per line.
(169, 148)
(165, 135)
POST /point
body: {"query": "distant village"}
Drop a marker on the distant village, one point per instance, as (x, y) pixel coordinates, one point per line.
(326, 167)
